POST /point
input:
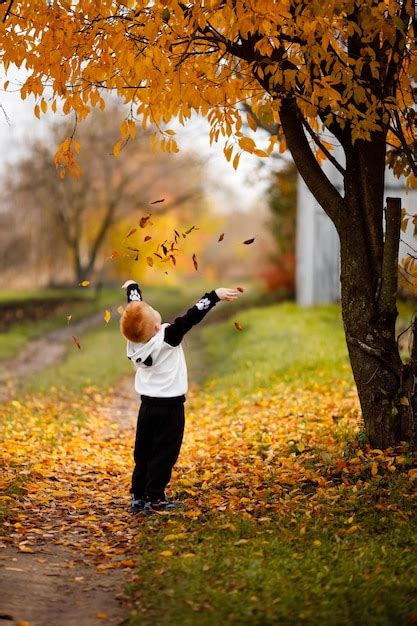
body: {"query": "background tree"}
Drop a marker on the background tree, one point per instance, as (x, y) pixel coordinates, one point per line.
(70, 220)
(323, 71)
(282, 201)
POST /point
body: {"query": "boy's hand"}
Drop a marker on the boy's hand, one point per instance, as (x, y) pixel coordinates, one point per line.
(127, 283)
(224, 293)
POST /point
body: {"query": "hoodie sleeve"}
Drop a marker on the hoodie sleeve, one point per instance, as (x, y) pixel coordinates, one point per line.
(133, 292)
(181, 325)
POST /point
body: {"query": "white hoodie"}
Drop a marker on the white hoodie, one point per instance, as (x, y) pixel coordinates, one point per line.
(166, 377)
(161, 371)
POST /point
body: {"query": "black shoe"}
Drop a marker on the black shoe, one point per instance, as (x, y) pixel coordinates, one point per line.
(137, 504)
(161, 506)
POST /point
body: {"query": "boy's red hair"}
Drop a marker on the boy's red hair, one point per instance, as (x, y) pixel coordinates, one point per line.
(137, 323)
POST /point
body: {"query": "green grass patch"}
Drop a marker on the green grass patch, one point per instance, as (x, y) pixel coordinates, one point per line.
(234, 571)
(281, 343)
(77, 303)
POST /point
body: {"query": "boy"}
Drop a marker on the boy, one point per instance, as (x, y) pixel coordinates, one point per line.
(161, 380)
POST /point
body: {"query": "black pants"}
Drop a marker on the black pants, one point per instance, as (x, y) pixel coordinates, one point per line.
(158, 442)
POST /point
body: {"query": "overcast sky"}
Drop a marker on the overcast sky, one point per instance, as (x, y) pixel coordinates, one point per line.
(245, 187)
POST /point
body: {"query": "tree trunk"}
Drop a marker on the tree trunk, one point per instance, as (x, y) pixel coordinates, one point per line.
(385, 385)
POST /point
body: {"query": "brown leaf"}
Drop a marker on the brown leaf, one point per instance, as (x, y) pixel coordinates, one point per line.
(238, 326)
(221, 237)
(69, 318)
(195, 262)
(149, 261)
(131, 232)
(144, 220)
(147, 238)
(77, 343)
(249, 241)
(158, 201)
(240, 289)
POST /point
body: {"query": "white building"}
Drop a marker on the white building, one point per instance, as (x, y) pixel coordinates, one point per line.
(317, 243)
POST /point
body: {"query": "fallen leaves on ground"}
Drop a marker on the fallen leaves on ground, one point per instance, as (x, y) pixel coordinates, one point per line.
(66, 469)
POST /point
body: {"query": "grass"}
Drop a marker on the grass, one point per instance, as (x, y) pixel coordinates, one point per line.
(238, 572)
(278, 344)
(14, 338)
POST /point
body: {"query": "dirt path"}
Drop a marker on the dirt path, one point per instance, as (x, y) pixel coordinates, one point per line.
(57, 566)
(40, 353)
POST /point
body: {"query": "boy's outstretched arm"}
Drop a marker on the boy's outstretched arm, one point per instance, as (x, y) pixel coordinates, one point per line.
(181, 325)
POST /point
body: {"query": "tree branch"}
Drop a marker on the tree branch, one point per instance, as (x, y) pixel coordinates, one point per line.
(314, 177)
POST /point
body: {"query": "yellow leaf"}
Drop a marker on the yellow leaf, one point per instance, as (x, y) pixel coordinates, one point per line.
(116, 148)
(101, 615)
(247, 144)
(166, 553)
(236, 160)
(175, 536)
(44, 105)
(374, 468)
(84, 283)
(107, 316)
(120, 310)
(24, 548)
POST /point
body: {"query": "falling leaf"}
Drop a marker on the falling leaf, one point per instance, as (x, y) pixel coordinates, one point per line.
(84, 283)
(120, 310)
(195, 262)
(240, 289)
(114, 254)
(187, 232)
(101, 615)
(77, 343)
(158, 201)
(69, 318)
(238, 326)
(131, 232)
(164, 249)
(147, 238)
(144, 220)
(107, 316)
(136, 250)
(221, 237)
(149, 261)
(249, 241)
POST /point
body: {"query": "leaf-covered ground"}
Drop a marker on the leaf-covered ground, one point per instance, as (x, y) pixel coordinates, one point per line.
(286, 516)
